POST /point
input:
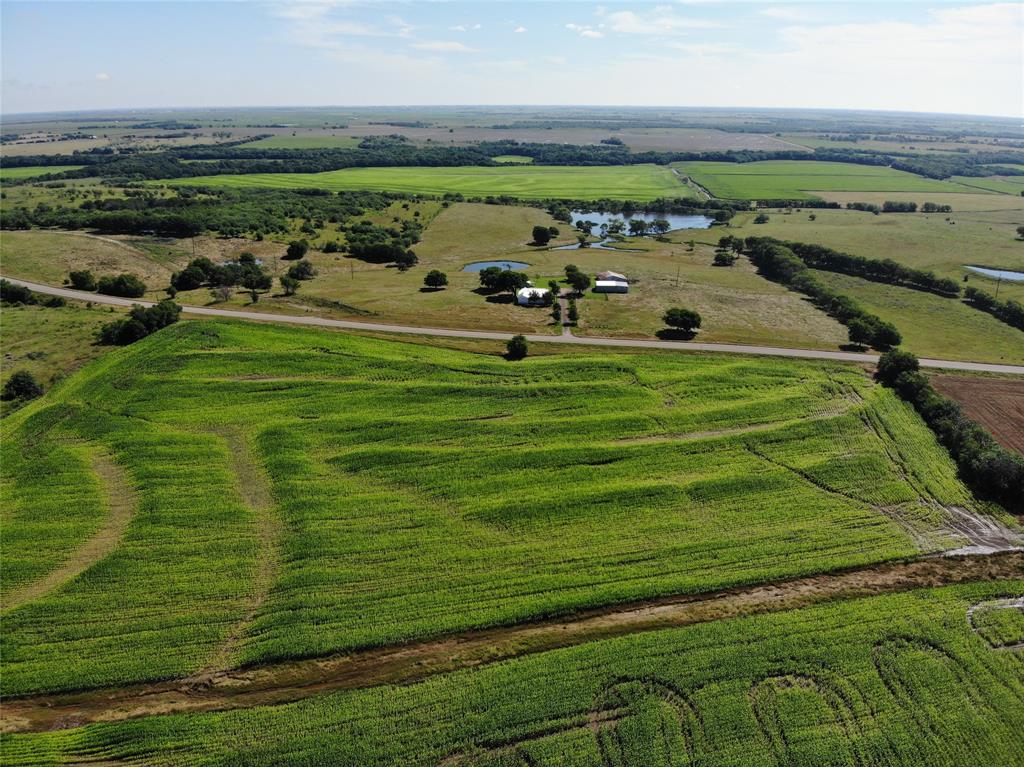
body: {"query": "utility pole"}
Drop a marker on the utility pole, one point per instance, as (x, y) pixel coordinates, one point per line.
(999, 281)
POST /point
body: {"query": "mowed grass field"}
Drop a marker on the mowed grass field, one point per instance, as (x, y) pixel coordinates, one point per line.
(409, 491)
(895, 680)
(13, 174)
(799, 179)
(633, 182)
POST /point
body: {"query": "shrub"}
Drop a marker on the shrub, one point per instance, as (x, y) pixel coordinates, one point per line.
(541, 235)
(82, 280)
(435, 279)
(517, 347)
(761, 218)
(21, 385)
(686, 320)
(15, 294)
(296, 250)
(124, 285)
(289, 284)
(303, 270)
(140, 322)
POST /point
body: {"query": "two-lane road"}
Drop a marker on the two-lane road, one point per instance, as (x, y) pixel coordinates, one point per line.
(323, 322)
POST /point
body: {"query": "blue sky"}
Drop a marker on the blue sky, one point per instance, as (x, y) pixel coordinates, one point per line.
(916, 56)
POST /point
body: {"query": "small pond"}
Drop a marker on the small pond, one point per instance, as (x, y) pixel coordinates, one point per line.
(601, 245)
(998, 274)
(479, 266)
(676, 221)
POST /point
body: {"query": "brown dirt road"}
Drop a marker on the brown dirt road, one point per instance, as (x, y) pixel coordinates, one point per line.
(404, 664)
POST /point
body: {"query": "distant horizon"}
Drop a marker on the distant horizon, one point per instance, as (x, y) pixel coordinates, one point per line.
(958, 57)
(698, 107)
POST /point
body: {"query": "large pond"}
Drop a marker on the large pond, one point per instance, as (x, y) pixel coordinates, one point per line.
(479, 266)
(998, 274)
(675, 221)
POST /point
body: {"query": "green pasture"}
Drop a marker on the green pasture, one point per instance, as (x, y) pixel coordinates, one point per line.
(800, 179)
(629, 182)
(420, 491)
(13, 174)
(1003, 184)
(897, 680)
(513, 158)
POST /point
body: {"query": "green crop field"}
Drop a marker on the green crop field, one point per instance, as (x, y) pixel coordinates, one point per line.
(800, 179)
(886, 680)
(12, 174)
(631, 182)
(297, 493)
(513, 158)
(1003, 184)
(304, 142)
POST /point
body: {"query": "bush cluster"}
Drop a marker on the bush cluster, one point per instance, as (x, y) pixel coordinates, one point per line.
(140, 322)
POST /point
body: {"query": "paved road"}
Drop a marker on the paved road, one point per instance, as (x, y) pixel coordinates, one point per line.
(323, 322)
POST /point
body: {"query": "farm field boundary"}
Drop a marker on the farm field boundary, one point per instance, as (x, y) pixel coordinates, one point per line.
(770, 351)
(618, 182)
(403, 664)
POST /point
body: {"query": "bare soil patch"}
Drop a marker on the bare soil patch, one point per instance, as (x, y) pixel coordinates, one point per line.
(995, 403)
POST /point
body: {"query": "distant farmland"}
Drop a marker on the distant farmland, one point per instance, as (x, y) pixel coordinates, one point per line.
(304, 142)
(799, 179)
(630, 182)
(12, 174)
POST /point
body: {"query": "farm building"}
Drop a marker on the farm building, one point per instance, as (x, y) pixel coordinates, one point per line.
(611, 286)
(614, 276)
(533, 296)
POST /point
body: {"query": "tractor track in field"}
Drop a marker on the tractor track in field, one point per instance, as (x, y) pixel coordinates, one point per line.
(254, 489)
(121, 503)
(294, 680)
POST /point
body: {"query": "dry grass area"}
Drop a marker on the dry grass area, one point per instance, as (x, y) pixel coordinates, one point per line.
(48, 256)
(996, 403)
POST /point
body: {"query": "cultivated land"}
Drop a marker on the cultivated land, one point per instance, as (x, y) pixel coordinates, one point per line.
(12, 174)
(997, 403)
(297, 493)
(629, 182)
(318, 141)
(794, 180)
(924, 677)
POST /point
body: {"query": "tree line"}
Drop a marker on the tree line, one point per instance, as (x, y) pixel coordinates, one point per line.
(986, 467)
(778, 262)
(1011, 312)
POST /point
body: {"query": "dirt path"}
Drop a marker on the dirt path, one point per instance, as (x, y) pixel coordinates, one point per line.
(683, 346)
(121, 502)
(254, 487)
(403, 664)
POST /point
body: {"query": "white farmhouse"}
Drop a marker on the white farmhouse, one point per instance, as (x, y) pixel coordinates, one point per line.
(611, 286)
(533, 297)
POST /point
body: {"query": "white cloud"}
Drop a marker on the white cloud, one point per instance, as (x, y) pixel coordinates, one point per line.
(444, 46)
(465, 27)
(786, 13)
(659, 21)
(585, 30)
(519, 29)
(705, 49)
(102, 76)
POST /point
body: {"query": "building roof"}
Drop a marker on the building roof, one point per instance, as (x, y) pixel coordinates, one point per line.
(611, 276)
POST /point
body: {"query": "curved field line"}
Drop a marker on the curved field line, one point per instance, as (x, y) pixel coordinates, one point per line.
(289, 681)
(1009, 603)
(121, 501)
(254, 488)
